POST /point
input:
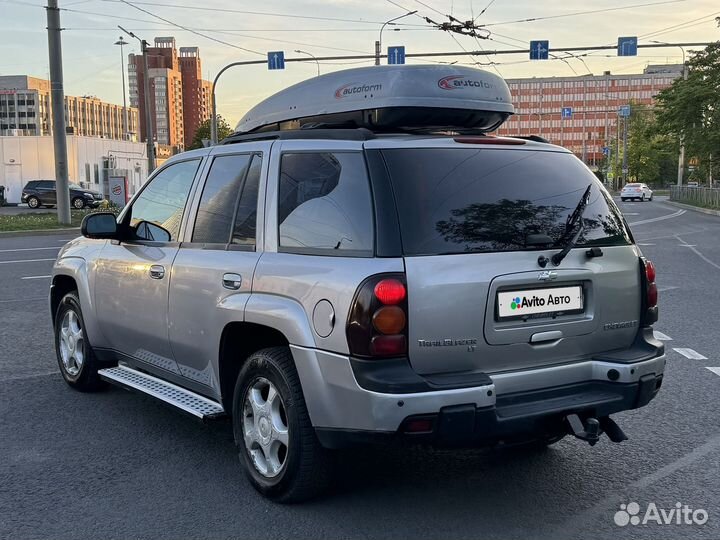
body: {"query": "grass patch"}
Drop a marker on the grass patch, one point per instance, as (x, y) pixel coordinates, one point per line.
(33, 222)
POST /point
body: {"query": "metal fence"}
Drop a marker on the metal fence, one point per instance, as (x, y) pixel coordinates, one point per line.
(698, 196)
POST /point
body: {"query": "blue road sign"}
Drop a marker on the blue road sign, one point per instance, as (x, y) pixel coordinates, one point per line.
(276, 60)
(396, 55)
(539, 50)
(624, 111)
(606, 150)
(627, 46)
(567, 112)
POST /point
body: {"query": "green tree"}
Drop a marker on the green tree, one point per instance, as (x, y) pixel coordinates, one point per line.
(203, 132)
(652, 155)
(690, 109)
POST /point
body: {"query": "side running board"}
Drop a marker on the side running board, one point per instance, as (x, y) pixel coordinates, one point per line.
(185, 400)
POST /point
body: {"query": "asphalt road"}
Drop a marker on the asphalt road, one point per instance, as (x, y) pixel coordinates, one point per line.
(120, 465)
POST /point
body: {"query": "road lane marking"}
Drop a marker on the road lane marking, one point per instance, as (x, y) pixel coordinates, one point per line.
(32, 376)
(663, 289)
(661, 218)
(696, 252)
(715, 370)
(35, 277)
(690, 354)
(26, 261)
(577, 525)
(661, 336)
(643, 245)
(26, 249)
(631, 213)
(24, 299)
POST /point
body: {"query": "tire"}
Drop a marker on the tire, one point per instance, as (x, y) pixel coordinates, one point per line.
(78, 203)
(33, 202)
(642, 199)
(81, 373)
(623, 199)
(302, 469)
(650, 199)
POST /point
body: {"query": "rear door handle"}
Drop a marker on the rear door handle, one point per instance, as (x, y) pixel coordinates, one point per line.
(232, 281)
(157, 271)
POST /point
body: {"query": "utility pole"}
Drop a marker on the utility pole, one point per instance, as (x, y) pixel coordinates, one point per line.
(377, 53)
(625, 159)
(57, 96)
(148, 114)
(681, 158)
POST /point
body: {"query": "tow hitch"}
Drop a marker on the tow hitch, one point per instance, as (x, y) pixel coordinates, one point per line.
(591, 430)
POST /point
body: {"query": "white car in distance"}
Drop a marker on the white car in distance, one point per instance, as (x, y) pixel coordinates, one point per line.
(638, 191)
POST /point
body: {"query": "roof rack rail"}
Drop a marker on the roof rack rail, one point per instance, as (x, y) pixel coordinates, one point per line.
(534, 138)
(341, 134)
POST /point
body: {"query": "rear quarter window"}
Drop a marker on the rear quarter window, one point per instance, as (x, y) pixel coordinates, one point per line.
(460, 200)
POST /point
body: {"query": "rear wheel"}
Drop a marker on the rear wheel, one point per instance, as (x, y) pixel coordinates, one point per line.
(278, 447)
(623, 199)
(33, 202)
(642, 199)
(78, 364)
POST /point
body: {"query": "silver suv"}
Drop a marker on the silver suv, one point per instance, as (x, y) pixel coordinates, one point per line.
(335, 287)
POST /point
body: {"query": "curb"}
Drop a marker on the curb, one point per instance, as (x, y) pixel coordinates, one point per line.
(38, 232)
(694, 208)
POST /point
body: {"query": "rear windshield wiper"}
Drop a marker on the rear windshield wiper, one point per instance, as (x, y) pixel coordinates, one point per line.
(572, 220)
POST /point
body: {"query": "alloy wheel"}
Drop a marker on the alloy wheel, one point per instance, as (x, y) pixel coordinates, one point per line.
(265, 428)
(72, 343)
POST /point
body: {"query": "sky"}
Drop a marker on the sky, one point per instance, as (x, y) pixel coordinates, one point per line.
(238, 30)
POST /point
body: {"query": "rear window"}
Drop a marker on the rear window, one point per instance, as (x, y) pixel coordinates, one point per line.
(453, 200)
(632, 185)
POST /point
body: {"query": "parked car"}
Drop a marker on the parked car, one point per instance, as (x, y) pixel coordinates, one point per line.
(38, 193)
(331, 287)
(636, 191)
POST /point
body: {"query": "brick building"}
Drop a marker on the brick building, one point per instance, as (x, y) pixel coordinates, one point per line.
(594, 101)
(180, 98)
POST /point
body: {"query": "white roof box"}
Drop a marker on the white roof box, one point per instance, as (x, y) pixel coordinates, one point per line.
(388, 98)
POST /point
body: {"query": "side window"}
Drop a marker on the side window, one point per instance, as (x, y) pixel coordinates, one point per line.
(162, 201)
(244, 229)
(324, 204)
(219, 198)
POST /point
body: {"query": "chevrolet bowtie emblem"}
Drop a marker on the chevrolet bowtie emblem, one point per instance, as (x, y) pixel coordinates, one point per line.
(547, 275)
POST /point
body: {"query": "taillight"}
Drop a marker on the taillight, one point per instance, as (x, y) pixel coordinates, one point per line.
(650, 297)
(377, 324)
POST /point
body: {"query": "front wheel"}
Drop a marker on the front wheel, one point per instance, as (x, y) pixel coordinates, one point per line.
(75, 356)
(78, 203)
(33, 202)
(623, 199)
(279, 450)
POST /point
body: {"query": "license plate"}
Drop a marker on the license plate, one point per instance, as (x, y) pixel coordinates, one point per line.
(539, 302)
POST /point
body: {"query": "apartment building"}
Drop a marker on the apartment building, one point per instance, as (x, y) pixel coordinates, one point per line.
(26, 110)
(591, 104)
(180, 98)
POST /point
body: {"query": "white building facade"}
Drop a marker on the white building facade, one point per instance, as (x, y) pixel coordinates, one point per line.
(90, 161)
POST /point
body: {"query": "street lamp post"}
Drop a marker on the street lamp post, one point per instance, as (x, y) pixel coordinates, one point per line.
(378, 43)
(146, 89)
(126, 125)
(311, 56)
(681, 158)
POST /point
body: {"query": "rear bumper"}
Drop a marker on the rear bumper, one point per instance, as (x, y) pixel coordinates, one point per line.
(511, 405)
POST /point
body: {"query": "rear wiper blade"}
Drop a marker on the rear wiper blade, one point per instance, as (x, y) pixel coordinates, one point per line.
(570, 224)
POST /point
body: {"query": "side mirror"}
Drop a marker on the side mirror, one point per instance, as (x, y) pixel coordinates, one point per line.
(99, 225)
